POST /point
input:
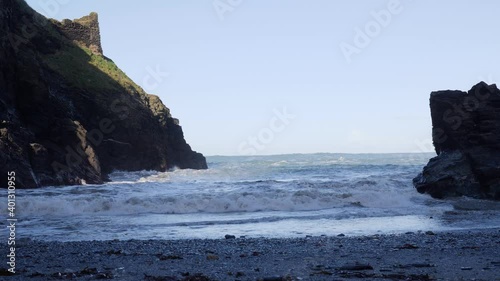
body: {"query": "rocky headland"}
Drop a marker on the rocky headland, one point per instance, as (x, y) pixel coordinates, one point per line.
(68, 114)
(466, 136)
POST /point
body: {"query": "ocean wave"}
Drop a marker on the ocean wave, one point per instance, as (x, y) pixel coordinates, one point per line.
(240, 184)
(248, 196)
(219, 197)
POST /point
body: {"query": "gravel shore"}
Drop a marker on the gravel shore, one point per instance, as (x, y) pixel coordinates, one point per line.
(459, 255)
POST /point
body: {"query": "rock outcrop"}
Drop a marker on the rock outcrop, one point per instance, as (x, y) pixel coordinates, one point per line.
(68, 114)
(84, 30)
(466, 136)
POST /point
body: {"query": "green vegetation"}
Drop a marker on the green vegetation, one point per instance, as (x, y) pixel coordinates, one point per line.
(77, 64)
(86, 20)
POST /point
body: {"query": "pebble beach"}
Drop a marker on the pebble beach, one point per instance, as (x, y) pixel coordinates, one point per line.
(421, 255)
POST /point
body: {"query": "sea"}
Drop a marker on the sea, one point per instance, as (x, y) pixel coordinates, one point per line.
(281, 196)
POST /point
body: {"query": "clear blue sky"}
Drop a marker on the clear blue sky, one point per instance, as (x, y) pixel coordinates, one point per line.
(230, 69)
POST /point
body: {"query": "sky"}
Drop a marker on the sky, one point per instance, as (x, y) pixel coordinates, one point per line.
(298, 76)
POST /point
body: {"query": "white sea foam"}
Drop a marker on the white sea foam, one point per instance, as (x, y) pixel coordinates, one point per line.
(249, 193)
(166, 193)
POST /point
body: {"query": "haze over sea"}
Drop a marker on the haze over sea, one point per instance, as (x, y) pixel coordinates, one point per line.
(259, 196)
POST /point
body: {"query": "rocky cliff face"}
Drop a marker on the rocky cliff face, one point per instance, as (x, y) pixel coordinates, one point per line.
(69, 115)
(466, 135)
(84, 30)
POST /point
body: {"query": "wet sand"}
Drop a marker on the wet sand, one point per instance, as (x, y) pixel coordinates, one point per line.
(458, 255)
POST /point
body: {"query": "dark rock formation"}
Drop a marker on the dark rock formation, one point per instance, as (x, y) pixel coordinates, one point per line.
(68, 114)
(466, 135)
(84, 30)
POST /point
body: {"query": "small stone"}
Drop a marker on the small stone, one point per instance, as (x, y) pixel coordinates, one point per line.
(341, 235)
(356, 267)
(230, 236)
(197, 277)
(322, 272)
(104, 275)
(115, 252)
(422, 265)
(276, 278)
(409, 246)
(169, 257)
(466, 268)
(89, 271)
(212, 257)
(430, 233)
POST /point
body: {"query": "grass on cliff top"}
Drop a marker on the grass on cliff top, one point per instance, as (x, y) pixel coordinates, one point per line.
(76, 63)
(83, 69)
(86, 20)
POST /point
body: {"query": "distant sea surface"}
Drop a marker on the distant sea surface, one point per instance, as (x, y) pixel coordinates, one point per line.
(262, 196)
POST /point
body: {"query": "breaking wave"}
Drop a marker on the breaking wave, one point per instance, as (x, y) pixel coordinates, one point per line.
(159, 193)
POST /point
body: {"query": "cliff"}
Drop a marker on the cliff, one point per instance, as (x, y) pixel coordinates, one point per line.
(68, 114)
(466, 135)
(84, 30)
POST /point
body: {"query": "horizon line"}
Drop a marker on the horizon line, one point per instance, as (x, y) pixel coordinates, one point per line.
(315, 153)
